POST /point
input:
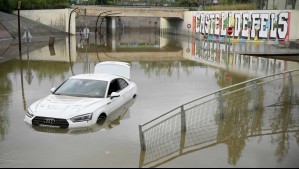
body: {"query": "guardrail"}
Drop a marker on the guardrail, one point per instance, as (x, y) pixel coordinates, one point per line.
(201, 121)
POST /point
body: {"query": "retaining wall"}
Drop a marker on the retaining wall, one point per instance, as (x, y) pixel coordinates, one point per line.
(56, 18)
(249, 25)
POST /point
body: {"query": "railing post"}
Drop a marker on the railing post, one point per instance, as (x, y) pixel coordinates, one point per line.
(221, 105)
(141, 136)
(255, 95)
(290, 87)
(183, 130)
(183, 119)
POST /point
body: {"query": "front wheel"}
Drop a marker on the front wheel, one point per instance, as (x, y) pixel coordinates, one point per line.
(101, 119)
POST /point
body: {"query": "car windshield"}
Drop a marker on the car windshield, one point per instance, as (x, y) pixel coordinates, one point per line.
(83, 88)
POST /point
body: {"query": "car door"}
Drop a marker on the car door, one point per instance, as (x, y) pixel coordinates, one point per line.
(125, 90)
(119, 86)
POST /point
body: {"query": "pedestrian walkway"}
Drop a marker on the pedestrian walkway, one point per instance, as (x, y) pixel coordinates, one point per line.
(4, 34)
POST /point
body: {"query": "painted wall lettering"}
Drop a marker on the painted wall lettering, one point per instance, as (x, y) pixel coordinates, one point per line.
(246, 25)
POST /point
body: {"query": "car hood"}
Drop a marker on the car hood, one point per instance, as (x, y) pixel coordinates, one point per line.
(65, 107)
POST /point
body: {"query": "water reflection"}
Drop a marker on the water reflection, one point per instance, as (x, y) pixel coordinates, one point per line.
(220, 54)
(5, 92)
(169, 68)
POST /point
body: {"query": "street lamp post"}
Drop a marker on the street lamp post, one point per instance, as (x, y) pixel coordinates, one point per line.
(20, 55)
(69, 31)
(19, 29)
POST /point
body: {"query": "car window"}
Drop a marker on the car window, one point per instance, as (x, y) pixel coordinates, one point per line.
(122, 83)
(117, 85)
(113, 87)
(83, 88)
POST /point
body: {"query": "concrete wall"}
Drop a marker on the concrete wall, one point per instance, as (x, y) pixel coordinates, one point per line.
(294, 24)
(212, 23)
(126, 22)
(131, 12)
(200, 22)
(56, 18)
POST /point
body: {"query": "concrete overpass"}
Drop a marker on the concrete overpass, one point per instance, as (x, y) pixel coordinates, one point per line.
(166, 13)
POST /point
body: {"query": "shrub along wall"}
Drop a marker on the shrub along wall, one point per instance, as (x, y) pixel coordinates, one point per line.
(10, 5)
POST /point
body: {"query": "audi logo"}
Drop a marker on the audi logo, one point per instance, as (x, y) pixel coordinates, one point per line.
(49, 121)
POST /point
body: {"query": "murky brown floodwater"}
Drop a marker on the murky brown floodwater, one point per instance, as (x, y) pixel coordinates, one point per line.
(168, 71)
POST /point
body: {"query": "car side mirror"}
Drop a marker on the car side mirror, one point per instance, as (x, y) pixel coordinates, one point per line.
(113, 95)
(53, 89)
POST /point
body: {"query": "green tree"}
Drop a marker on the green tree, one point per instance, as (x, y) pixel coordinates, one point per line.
(189, 3)
(39, 4)
(5, 6)
(101, 2)
(235, 1)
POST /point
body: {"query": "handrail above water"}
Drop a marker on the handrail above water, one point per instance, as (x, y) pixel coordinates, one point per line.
(218, 91)
(251, 108)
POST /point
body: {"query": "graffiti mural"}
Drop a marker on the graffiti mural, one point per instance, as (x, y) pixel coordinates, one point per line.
(247, 26)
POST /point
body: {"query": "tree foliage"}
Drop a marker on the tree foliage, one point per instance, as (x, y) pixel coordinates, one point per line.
(9, 5)
(236, 1)
(5, 6)
(188, 3)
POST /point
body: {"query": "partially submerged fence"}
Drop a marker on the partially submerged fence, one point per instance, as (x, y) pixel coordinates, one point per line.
(240, 110)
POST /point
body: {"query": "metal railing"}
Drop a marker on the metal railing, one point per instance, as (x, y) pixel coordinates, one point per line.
(203, 5)
(204, 121)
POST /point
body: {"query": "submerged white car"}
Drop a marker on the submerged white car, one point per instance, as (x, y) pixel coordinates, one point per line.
(83, 100)
(112, 120)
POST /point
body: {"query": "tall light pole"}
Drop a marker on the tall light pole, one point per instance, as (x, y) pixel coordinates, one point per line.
(96, 29)
(20, 55)
(69, 31)
(19, 29)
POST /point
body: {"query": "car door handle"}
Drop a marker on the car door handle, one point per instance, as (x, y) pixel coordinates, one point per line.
(108, 103)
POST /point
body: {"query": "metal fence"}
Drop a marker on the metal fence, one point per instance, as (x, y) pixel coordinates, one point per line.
(255, 107)
(201, 5)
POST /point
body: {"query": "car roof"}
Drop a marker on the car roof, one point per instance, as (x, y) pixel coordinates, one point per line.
(103, 77)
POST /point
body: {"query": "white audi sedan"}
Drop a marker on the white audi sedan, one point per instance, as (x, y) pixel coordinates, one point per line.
(83, 100)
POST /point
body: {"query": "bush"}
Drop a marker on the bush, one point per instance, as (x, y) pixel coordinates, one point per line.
(39, 4)
(231, 7)
(5, 6)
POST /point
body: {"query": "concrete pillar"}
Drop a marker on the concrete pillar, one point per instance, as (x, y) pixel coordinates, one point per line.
(113, 33)
(113, 41)
(113, 23)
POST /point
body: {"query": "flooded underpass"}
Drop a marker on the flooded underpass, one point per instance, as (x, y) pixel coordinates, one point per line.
(169, 71)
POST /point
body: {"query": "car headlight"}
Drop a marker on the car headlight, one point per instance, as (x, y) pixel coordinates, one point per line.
(29, 113)
(81, 118)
